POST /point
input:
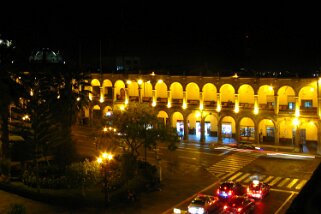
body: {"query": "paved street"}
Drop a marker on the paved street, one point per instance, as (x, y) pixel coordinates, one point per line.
(194, 168)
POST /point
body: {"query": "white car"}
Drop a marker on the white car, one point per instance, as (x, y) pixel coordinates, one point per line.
(202, 204)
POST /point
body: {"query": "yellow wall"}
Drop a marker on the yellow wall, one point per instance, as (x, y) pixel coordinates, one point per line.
(176, 90)
(227, 93)
(246, 94)
(209, 92)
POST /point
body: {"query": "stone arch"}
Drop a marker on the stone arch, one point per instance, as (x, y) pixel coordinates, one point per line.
(177, 121)
(95, 88)
(246, 94)
(228, 127)
(147, 89)
(107, 111)
(95, 82)
(209, 92)
(163, 117)
(266, 129)
(176, 90)
(310, 128)
(119, 88)
(307, 94)
(192, 91)
(96, 112)
(286, 94)
(107, 88)
(133, 89)
(213, 120)
(227, 93)
(266, 95)
(247, 128)
(161, 89)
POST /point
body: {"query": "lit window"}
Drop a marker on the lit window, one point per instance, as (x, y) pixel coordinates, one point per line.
(307, 103)
(291, 105)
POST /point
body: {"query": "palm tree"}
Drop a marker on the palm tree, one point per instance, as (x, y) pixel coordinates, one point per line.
(10, 93)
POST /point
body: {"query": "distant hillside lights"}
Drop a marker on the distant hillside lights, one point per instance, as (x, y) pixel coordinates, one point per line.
(7, 43)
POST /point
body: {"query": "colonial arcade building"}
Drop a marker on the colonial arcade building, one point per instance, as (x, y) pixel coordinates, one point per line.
(277, 111)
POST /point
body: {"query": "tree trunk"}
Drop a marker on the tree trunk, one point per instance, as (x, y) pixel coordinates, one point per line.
(5, 148)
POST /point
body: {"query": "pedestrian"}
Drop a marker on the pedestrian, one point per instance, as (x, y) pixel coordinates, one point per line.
(301, 147)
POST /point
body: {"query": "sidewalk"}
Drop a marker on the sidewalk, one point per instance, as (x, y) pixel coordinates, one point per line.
(31, 206)
(210, 141)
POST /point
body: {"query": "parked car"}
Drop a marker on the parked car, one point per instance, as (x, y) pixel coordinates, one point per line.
(227, 189)
(257, 189)
(239, 204)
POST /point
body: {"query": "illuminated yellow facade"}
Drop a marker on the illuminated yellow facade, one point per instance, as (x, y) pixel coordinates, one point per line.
(255, 109)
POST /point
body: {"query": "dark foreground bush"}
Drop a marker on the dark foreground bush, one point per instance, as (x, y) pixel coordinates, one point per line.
(16, 209)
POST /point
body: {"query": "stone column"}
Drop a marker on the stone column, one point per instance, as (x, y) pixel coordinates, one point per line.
(126, 96)
(236, 105)
(114, 97)
(256, 104)
(201, 101)
(276, 104)
(185, 129)
(169, 99)
(184, 100)
(218, 103)
(202, 138)
(219, 132)
(256, 133)
(297, 106)
(140, 95)
(154, 99)
(101, 94)
(237, 131)
(276, 135)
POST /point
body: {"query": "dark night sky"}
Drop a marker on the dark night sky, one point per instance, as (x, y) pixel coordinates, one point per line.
(260, 36)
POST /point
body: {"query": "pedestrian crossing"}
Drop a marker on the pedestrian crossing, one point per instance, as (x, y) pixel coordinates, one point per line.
(274, 181)
(232, 163)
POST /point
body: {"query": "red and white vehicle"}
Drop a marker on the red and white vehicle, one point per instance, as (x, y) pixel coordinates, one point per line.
(258, 189)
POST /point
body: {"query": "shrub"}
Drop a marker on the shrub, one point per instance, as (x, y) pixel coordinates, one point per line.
(16, 209)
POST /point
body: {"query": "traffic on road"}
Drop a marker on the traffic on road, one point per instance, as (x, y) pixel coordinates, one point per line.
(229, 197)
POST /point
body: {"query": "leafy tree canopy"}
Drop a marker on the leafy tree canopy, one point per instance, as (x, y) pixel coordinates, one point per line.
(139, 126)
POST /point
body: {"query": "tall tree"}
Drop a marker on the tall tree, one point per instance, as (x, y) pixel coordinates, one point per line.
(139, 127)
(10, 92)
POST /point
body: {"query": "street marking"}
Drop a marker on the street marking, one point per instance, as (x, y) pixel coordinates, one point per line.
(227, 175)
(290, 185)
(285, 202)
(268, 179)
(301, 184)
(275, 181)
(283, 182)
(248, 180)
(224, 153)
(243, 177)
(183, 157)
(235, 176)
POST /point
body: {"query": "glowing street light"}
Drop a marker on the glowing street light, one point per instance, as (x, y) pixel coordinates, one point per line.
(104, 161)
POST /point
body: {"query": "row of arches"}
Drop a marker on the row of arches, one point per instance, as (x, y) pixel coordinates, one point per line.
(245, 93)
(228, 126)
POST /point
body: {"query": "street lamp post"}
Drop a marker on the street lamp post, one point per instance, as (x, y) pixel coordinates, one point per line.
(140, 82)
(104, 161)
(202, 138)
